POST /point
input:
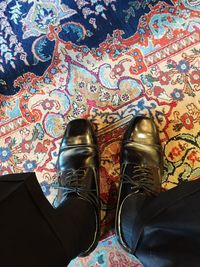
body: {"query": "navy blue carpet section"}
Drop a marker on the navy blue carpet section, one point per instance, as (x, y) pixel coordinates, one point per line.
(25, 45)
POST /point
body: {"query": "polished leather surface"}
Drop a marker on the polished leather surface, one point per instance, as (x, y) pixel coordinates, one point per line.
(141, 147)
(141, 165)
(78, 164)
(78, 150)
(142, 130)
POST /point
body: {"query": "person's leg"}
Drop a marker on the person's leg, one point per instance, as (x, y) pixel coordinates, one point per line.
(161, 229)
(141, 170)
(27, 235)
(78, 165)
(168, 231)
(32, 232)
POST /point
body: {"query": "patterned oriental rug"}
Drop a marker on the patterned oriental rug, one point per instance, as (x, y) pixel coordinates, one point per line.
(106, 60)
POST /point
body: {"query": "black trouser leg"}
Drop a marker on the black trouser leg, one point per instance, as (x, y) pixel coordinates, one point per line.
(33, 233)
(165, 231)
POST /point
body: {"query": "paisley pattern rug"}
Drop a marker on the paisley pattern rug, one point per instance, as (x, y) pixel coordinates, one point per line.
(105, 60)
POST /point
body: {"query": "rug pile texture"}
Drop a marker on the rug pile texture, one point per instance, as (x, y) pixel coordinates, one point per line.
(108, 61)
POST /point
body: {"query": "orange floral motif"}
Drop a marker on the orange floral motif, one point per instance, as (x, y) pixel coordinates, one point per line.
(164, 78)
(40, 148)
(176, 151)
(187, 121)
(118, 70)
(158, 90)
(195, 77)
(193, 157)
(26, 146)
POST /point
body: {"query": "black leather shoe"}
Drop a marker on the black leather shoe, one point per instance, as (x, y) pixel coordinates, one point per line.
(78, 164)
(141, 172)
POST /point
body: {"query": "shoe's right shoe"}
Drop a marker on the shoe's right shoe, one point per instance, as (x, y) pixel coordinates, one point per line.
(141, 169)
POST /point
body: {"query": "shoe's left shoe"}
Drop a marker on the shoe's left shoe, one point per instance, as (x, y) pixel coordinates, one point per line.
(78, 164)
(141, 172)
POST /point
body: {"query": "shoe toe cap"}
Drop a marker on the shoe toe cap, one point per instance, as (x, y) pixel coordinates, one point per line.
(79, 132)
(144, 131)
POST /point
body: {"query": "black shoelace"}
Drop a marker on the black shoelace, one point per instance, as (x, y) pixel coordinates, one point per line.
(74, 183)
(141, 179)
